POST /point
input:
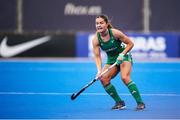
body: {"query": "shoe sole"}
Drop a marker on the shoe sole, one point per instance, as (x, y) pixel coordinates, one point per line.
(122, 108)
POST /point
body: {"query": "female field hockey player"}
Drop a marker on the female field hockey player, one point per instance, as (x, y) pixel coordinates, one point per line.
(110, 40)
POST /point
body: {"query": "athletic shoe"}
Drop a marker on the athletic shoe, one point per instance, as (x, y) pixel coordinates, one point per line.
(140, 106)
(119, 105)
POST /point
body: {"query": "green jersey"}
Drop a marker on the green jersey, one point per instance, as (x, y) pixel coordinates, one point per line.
(112, 47)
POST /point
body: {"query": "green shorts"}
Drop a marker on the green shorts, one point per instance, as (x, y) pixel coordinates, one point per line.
(127, 57)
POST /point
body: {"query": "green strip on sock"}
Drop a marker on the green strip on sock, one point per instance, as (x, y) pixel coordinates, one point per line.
(134, 91)
(110, 89)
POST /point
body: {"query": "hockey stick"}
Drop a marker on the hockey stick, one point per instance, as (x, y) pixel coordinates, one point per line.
(74, 95)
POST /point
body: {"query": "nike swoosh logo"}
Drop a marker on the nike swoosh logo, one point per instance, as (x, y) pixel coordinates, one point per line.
(9, 51)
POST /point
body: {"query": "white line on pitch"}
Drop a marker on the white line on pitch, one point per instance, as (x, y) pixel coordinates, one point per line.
(96, 94)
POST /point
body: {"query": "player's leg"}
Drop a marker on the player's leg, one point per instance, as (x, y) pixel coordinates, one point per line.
(126, 67)
(110, 89)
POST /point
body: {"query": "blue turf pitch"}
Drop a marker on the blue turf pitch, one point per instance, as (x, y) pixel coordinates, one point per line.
(42, 89)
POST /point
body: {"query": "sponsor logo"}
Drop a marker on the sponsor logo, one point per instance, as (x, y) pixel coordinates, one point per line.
(149, 43)
(149, 46)
(111, 49)
(9, 51)
(71, 9)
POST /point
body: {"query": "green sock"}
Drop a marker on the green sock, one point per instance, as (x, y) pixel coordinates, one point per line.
(134, 91)
(110, 89)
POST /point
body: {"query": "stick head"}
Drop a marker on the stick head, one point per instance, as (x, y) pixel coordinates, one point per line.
(73, 96)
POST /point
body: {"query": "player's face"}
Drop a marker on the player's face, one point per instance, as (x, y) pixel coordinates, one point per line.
(101, 25)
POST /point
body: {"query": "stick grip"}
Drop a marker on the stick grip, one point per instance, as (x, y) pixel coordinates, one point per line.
(107, 70)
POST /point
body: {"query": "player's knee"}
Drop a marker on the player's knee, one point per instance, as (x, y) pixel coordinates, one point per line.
(105, 80)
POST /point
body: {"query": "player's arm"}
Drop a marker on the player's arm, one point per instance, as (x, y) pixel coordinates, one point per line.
(125, 39)
(97, 54)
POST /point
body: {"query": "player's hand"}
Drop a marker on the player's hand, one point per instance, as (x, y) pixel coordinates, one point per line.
(120, 59)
